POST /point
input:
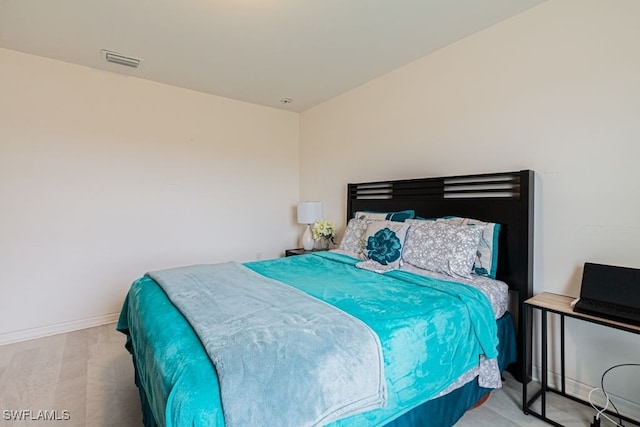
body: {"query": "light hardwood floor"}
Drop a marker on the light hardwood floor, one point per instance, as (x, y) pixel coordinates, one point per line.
(89, 373)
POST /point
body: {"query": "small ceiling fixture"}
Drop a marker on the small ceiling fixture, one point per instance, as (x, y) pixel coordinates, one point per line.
(120, 59)
(285, 101)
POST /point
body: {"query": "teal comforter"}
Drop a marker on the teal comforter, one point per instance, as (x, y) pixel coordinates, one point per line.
(431, 332)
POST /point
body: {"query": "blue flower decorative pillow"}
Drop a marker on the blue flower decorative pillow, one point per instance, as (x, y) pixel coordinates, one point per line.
(383, 242)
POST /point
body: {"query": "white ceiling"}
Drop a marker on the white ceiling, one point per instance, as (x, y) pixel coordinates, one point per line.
(257, 51)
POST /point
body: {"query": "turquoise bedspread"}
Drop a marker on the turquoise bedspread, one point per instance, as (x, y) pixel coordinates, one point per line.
(431, 331)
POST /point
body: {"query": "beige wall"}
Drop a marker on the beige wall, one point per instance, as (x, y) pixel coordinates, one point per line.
(104, 177)
(555, 89)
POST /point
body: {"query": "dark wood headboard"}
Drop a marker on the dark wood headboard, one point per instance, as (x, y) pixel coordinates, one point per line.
(505, 198)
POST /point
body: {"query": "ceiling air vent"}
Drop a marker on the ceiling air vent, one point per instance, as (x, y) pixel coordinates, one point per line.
(118, 58)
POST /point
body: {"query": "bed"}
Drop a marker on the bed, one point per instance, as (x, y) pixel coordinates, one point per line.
(425, 381)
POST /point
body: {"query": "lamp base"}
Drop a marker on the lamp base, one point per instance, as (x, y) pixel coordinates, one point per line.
(307, 239)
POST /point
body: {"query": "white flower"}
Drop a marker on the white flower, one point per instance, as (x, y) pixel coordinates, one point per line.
(323, 229)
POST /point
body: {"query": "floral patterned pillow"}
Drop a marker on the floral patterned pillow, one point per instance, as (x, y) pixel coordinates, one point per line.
(383, 243)
(353, 238)
(442, 247)
(486, 262)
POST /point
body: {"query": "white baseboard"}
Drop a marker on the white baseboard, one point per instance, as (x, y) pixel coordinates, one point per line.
(581, 391)
(60, 328)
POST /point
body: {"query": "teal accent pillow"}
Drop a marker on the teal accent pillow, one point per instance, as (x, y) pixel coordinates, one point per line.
(383, 242)
(399, 216)
(486, 261)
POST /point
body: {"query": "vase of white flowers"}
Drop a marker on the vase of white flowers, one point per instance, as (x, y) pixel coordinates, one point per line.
(323, 233)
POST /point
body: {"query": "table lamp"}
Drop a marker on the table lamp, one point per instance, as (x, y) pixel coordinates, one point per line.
(308, 213)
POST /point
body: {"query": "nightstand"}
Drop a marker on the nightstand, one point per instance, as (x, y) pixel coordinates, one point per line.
(300, 251)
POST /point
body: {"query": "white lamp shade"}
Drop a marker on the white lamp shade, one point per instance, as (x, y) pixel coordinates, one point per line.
(309, 212)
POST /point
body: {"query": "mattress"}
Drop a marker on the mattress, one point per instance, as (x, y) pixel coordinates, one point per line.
(178, 382)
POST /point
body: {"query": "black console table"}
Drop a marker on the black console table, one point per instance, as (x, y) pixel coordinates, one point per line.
(560, 305)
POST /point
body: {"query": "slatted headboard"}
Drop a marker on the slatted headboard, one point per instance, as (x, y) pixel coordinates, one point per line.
(505, 198)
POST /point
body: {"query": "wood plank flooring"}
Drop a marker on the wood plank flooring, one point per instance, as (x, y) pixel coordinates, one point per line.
(89, 374)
